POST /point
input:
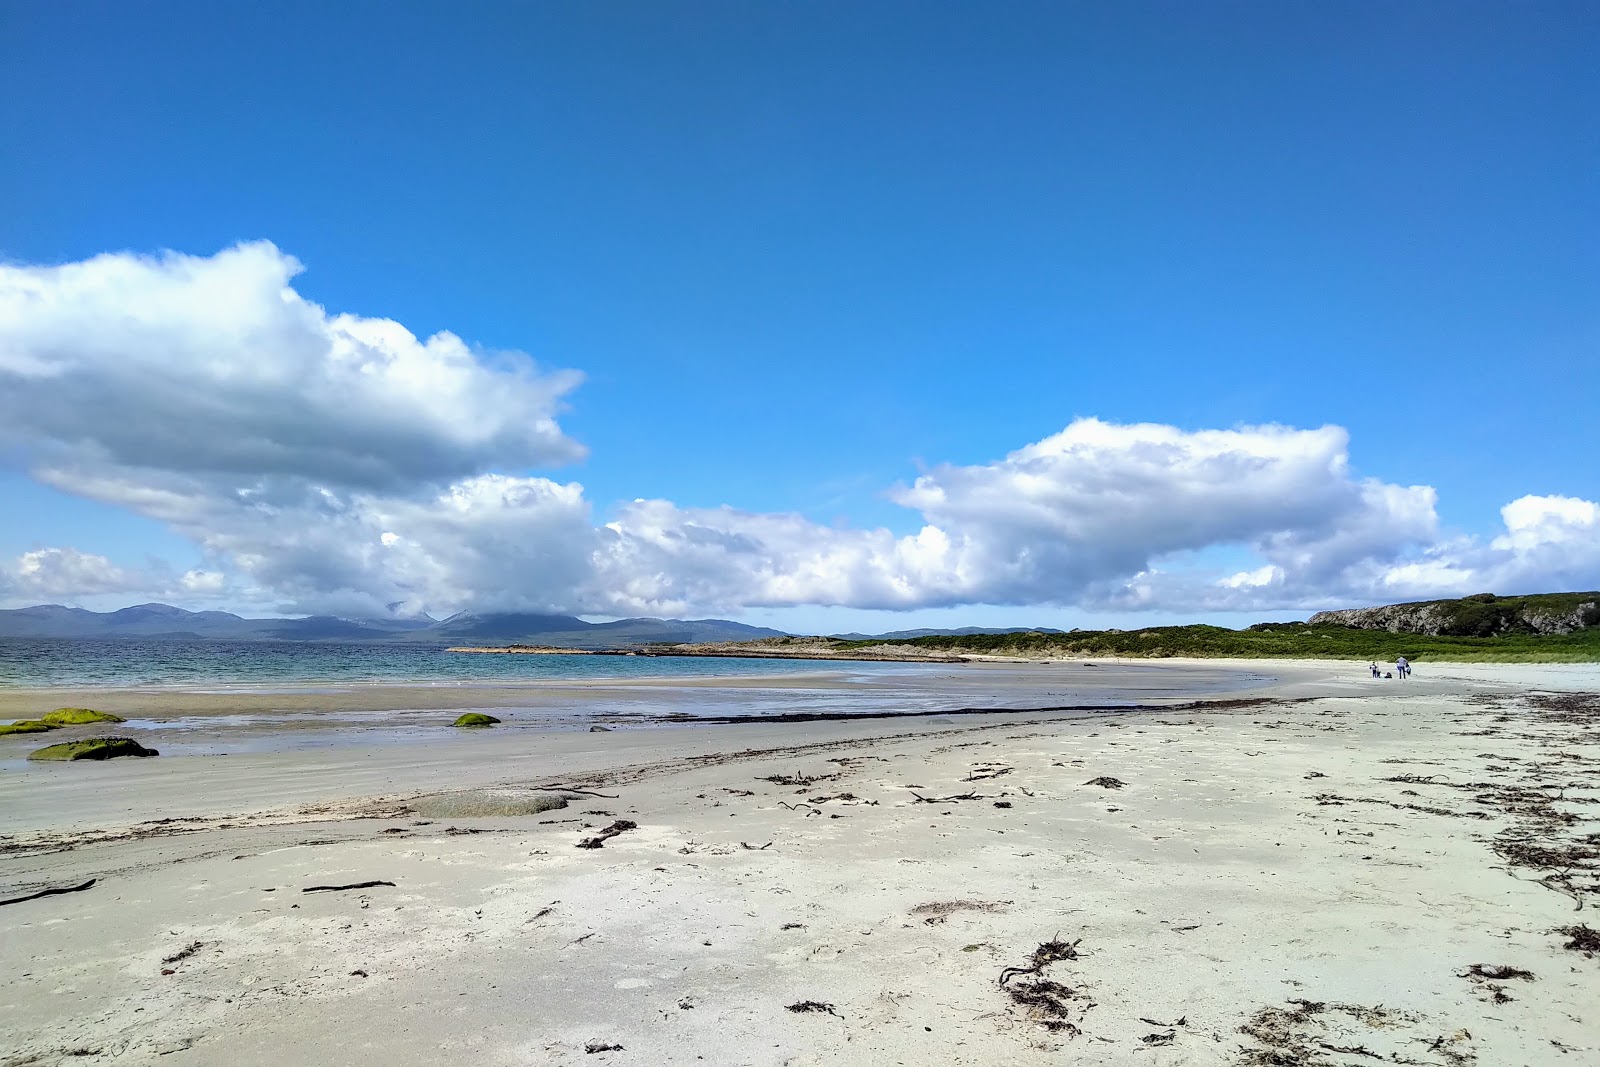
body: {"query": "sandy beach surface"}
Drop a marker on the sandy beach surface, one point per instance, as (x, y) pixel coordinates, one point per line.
(1279, 863)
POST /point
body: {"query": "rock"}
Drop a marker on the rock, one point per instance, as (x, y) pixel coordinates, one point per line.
(26, 726)
(93, 748)
(473, 718)
(1480, 615)
(599, 729)
(79, 717)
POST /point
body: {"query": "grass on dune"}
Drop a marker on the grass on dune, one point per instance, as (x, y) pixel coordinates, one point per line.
(1293, 640)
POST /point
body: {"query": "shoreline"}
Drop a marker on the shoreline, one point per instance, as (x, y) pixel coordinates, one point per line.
(1312, 862)
(732, 652)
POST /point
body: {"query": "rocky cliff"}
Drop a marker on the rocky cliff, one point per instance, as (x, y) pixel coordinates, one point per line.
(1483, 615)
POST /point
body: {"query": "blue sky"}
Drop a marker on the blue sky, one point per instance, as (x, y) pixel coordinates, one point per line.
(804, 253)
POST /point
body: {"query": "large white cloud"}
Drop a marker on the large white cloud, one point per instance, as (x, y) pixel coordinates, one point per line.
(335, 463)
(215, 367)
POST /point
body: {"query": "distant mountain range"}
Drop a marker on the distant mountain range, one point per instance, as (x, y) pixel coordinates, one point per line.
(963, 631)
(165, 622)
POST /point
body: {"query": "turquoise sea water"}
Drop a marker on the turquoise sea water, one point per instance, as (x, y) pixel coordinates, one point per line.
(29, 662)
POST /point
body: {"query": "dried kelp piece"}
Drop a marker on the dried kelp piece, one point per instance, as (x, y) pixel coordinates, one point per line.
(804, 1007)
(341, 888)
(55, 892)
(1106, 782)
(599, 840)
(1047, 953)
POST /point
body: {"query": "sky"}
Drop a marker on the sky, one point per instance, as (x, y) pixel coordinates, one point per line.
(823, 316)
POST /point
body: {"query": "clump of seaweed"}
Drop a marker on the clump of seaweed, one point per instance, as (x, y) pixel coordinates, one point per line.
(1042, 999)
(804, 1007)
(798, 779)
(1297, 1035)
(1106, 782)
(1497, 972)
(1581, 939)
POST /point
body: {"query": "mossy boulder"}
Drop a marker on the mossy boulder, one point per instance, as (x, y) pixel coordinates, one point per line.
(93, 748)
(25, 726)
(79, 717)
(473, 718)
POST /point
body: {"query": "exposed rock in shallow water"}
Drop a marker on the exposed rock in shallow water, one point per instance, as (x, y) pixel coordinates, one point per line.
(26, 726)
(485, 803)
(93, 748)
(599, 729)
(79, 717)
(473, 718)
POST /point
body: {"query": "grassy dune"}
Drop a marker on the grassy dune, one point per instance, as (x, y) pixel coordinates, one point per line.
(1293, 640)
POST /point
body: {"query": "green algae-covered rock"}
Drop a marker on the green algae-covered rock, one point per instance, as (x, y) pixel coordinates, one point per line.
(79, 717)
(26, 726)
(472, 718)
(93, 748)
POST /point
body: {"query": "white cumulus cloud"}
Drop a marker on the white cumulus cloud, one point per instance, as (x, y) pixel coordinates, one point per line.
(329, 462)
(217, 368)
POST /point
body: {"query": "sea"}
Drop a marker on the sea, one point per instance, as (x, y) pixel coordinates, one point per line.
(313, 670)
(122, 663)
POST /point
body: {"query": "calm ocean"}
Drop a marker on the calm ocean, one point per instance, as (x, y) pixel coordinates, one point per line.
(30, 662)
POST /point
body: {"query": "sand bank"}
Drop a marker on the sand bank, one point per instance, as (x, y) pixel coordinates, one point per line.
(1308, 882)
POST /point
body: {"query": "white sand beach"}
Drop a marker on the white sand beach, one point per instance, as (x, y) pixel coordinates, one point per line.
(1307, 873)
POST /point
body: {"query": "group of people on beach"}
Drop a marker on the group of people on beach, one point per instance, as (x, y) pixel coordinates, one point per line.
(1402, 669)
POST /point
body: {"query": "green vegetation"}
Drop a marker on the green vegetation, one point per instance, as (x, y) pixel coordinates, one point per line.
(26, 726)
(1287, 640)
(473, 718)
(79, 717)
(93, 748)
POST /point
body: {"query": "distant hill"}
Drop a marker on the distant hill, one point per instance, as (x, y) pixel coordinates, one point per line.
(165, 622)
(1482, 615)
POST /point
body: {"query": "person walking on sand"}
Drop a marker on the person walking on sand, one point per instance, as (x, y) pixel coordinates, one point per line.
(1402, 667)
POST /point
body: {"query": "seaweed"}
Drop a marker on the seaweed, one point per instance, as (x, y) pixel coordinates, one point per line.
(1582, 939)
(600, 839)
(1498, 972)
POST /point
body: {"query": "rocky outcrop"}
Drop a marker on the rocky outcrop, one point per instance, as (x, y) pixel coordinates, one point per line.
(26, 726)
(79, 717)
(1483, 615)
(95, 748)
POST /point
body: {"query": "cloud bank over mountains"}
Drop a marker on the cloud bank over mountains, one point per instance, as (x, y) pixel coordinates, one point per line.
(335, 463)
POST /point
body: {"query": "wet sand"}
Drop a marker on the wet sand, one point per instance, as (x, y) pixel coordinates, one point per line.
(1260, 874)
